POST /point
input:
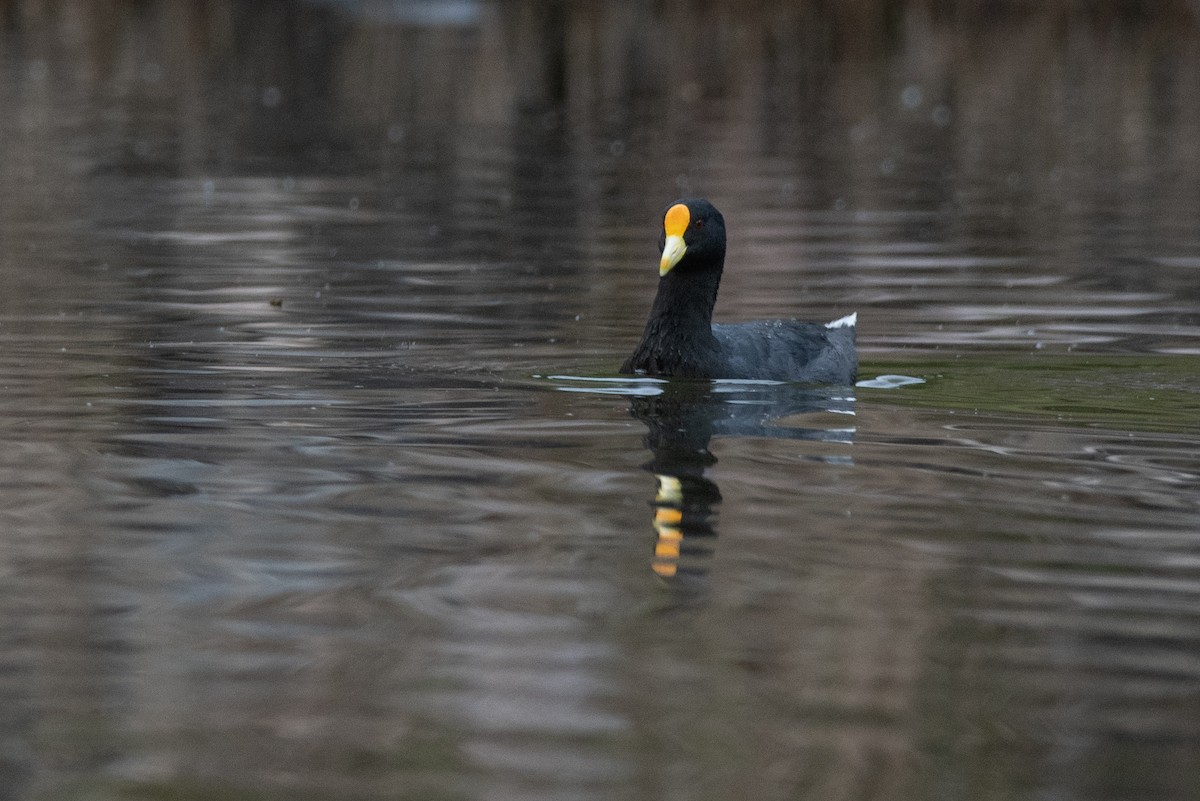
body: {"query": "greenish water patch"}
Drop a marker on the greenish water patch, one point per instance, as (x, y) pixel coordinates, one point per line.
(1140, 392)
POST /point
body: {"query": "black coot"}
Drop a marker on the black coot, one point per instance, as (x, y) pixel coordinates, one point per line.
(681, 340)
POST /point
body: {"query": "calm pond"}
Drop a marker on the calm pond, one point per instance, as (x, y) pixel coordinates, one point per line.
(319, 482)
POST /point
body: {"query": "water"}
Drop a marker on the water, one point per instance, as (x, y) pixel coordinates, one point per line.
(318, 481)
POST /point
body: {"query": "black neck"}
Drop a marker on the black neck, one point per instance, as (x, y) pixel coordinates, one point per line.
(684, 304)
(678, 340)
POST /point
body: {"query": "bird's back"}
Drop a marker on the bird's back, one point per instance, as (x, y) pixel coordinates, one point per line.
(789, 350)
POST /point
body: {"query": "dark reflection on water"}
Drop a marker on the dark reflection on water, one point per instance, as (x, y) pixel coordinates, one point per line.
(288, 510)
(683, 417)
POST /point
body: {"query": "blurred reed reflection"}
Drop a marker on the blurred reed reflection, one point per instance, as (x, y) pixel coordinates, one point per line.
(873, 156)
(683, 418)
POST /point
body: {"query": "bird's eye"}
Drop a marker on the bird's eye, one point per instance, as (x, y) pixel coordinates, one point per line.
(698, 224)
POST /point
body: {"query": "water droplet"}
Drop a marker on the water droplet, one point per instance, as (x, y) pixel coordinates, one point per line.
(887, 166)
(353, 204)
(395, 134)
(616, 147)
(941, 115)
(912, 96)
(271, 97)
(151, 73)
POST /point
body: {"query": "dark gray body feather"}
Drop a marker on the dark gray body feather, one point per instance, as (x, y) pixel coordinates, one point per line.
(788, 350)
(771, 350)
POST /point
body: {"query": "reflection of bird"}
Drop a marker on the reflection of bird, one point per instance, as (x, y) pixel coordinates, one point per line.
(683, 510)
(681, 340)
(680, 426)
(682, 420)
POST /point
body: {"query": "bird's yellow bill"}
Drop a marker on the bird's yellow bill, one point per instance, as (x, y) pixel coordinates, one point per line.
(673, 250)
(675, 222)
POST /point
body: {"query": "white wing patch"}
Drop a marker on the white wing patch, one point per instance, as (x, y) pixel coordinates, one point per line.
(849, 321)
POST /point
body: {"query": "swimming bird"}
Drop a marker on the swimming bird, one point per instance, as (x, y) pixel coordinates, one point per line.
(680, 338)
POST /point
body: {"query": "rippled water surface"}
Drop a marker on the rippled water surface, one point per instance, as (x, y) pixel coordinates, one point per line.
(318, 480)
